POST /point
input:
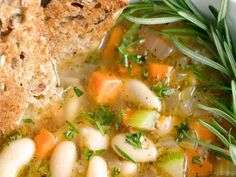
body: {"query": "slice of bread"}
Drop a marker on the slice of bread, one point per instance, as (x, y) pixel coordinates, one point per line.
(79, 25)
(27, 73)
(32, 39)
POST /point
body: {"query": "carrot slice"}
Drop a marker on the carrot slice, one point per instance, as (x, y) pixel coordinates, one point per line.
(113, 42)
(158, 72)
(198, 166)
(202, 133)
(104, 87)
(45, 141)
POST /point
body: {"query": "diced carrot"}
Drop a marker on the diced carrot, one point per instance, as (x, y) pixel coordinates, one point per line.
(158, 72)
(197, 166)
(113, 42)
(202, 133)
(45, 141)
(104, 87)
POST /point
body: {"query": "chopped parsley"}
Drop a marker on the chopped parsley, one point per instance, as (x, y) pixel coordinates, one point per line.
(115, 172)
(130, 38)
(162, 90)
(88, 153)
(78, 92)
(102, 118)
(124, 154)
(145, 73)
(93, 57)
(134, 139)
(182, 127)
(16, 136)
(196, 160)
(70, 133)
(119, 120)
(28, 121)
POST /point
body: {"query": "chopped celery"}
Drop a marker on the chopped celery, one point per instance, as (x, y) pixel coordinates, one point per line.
(173, 163)
(224, 168)
(143, 119)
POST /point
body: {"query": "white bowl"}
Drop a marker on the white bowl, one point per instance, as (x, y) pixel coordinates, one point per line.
(203, 6)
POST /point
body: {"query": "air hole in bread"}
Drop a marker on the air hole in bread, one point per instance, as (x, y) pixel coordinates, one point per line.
(78, 17)
(98, 5)
(22, 56)
(44, 3)
(76, 4)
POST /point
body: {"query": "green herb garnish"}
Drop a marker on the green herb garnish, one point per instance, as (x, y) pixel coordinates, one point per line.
(28, 121)
(162, 90)
(69, 134)
(115, 172)
(88, 153)
(196, 160)
(182, 127)
(134, 139)
(119, 120)
(102, 118)
(16, 136)
(145, 73)
(93, 57)
(130, 38)
(124, 154)
(78, 92)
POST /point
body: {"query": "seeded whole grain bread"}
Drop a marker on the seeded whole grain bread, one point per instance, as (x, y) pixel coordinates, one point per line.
(27, 72)
(33, 38)
(79, 25)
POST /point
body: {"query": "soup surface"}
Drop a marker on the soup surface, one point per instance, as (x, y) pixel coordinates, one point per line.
(123, 112)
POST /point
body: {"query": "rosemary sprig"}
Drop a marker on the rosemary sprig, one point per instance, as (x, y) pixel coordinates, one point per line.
(224, 61)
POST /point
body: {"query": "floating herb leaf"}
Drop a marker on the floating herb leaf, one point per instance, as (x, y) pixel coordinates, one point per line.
(130, 38)
(182, 127)
(16, 136)
(115, 172)
(78, 92)
(162, 90)
(134, 139)
(196, 160)
(88, 153)
(28, 121)
(124, 154)
(102, 118)
(119, 120)
(69, 134)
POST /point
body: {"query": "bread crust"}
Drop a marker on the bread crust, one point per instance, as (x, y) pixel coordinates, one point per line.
(27, 75)
(79, 25)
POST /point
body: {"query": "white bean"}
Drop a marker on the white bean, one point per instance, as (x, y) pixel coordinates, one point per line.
(71, 108)
(148, 152)
(165, 125)
(97, 167)
(137, 92)
(128, 168)
(63, 159)
(93, 139)
(16, 155)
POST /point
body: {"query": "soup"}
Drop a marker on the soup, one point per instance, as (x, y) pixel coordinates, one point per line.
(129, 109)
